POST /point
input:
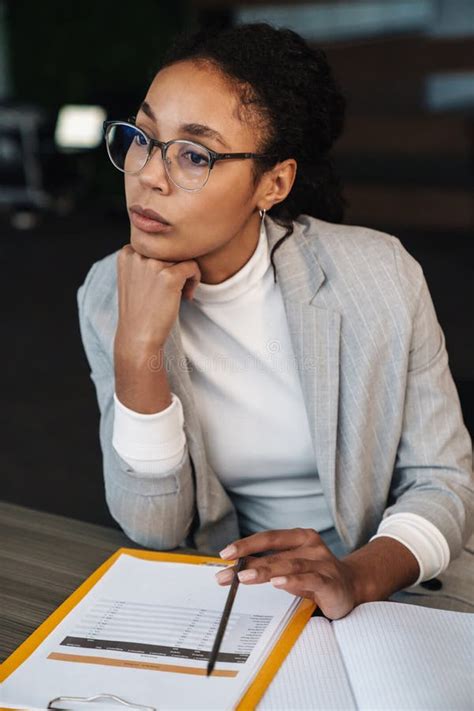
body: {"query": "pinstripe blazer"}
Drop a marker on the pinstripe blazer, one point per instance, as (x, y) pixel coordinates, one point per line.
(383, 410)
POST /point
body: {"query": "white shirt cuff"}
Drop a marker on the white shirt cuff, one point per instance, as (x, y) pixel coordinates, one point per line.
(423, 540)
(153, 443)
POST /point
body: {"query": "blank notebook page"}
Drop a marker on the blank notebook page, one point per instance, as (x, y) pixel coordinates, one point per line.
(408, 657)
(312, 675)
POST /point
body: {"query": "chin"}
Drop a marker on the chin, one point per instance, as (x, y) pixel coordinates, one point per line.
(155, 246)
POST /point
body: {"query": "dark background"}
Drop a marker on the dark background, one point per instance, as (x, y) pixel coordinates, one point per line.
(406, 159)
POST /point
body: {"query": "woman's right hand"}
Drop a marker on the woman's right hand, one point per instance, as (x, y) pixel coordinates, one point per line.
(149, 295)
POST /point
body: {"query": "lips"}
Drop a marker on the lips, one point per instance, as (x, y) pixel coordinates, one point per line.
(149, 221)
(150, 214)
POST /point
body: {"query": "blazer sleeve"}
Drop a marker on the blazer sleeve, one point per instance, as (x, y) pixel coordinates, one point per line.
(156, 512)
(433, 469)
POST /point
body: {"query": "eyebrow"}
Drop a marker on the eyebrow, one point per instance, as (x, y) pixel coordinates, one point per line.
(193, 129)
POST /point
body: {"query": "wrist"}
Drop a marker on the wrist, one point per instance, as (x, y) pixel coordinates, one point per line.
(136, 350)
(141, 381)
(363, 587)
(380, 568)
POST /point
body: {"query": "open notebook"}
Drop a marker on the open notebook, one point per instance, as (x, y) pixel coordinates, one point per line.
(384, 655)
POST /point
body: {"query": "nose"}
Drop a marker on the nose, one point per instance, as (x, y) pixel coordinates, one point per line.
(153, 174)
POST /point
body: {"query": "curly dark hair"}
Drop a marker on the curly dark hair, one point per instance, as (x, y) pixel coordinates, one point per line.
(290, 90)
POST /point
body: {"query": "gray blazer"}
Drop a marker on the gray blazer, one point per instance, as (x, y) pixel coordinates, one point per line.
(384, 413)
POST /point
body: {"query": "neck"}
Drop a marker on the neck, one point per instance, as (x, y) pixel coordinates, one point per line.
(229, 258)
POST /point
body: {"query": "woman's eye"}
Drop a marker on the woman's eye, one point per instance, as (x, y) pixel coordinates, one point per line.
(196, 158)
(140, 139)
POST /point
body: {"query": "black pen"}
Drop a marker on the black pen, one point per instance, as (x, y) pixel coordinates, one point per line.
(225, 615)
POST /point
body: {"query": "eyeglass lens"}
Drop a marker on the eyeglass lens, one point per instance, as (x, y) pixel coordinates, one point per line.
(187, 165)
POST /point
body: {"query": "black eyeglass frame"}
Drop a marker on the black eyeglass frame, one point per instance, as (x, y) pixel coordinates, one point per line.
(163, 146)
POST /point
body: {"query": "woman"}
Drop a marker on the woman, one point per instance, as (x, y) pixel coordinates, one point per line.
(269, 380)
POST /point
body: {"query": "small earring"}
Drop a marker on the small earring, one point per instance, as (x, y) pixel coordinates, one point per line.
(262, 215)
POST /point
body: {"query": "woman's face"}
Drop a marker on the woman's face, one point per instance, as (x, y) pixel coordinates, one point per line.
(209, 221)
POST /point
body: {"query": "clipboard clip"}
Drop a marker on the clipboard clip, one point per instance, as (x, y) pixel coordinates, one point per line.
(97, 697)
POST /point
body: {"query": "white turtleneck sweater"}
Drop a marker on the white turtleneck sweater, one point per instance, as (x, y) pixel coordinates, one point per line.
(251, 408)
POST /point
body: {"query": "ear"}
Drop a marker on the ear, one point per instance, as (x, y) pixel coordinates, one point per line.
(276, 184)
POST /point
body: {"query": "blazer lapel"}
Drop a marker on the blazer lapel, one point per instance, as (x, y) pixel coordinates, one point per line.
(315, 336)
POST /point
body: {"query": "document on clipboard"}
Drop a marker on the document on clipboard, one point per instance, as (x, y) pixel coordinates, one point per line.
(137, 634)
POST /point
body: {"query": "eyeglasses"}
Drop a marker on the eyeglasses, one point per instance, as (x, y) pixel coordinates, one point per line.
(187, 164)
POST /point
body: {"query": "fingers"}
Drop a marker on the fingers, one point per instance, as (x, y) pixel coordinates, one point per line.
(318, 552)
(282, 539)
(311, 584)
(128, 252)
(227, 575)
(325, 587)
(274, 562)
(293, 559)
(176, 276)
(182, 277)
(323, 579)
(262, 570)
(190, 287)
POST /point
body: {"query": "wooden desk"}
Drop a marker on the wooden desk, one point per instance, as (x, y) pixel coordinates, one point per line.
(43, 559)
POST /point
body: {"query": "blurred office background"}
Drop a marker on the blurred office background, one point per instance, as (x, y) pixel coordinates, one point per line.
(406, 158)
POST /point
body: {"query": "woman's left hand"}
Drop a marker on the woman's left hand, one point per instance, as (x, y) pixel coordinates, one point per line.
(303, 566)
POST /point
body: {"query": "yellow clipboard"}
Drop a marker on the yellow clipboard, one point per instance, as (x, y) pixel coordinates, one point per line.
(256, 690)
